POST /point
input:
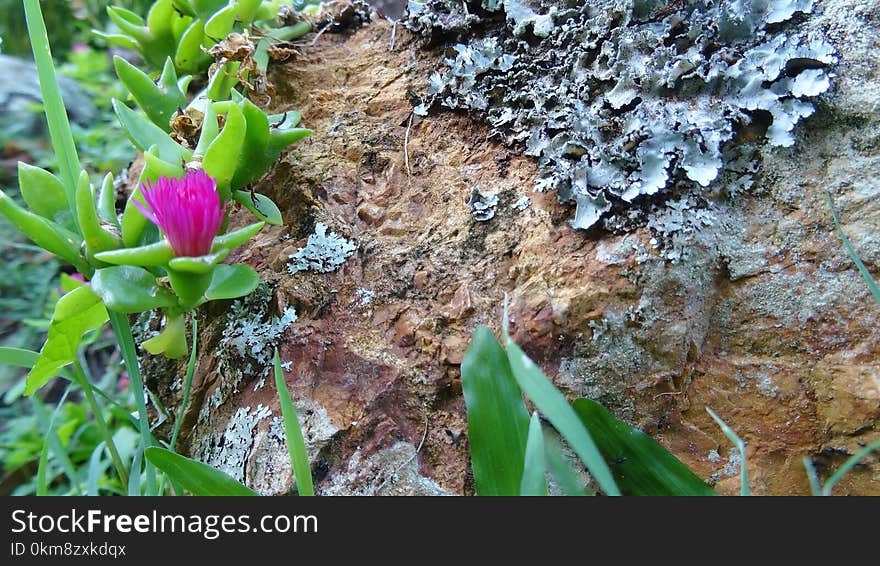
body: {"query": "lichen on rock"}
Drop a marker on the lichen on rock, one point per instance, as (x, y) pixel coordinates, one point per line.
(323, 252)
(623, 98)
(251, 334)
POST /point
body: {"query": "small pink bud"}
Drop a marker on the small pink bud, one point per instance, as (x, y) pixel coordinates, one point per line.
(187, 210)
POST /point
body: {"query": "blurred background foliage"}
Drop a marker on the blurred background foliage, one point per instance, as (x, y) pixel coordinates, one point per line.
(29, 276)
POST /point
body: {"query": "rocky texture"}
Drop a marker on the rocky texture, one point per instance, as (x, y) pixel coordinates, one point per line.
(749, 305)
(20, 90)
(622, 98)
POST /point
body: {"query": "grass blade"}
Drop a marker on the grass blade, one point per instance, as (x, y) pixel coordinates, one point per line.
(56, 114)
(740, 446)
(53, 443)
(97, 467)
(296, 446)
(553, 405)
(134, 478)
(498, 422)
(866, 275)
(560, 469)
(642, 465)
(195, 477)
(847, 466)
(122, 331)
(534, 482)
(815, 488)
(18, 357)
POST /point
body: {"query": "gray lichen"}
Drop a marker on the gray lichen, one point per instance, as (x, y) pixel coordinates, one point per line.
(623, 98)
(230, 451)
(482, 205)
(250, 336)
(323, 252)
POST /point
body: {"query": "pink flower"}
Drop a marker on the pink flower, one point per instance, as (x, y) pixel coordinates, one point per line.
(187, 210)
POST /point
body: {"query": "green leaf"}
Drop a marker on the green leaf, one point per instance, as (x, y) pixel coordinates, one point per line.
(68, 283)
(56, 114)
(222, 83)
(18, 357)
(218, 26)
(198, 265)
(144, 134)
(52, 443)
(195, 477)
(96, 469)
(76, 313)
(107, 201)
(184, 7)
(209, 132)
(189, 56)
(296, 446)
(129, 289)
(232, 240)
(261, 54)
(45, 233)
(134, 479)
(497, 419)
(289, 33)
(231, 282)
(171, 341)
(534, 482)
(158, 103)
(159, 253)
(246, 10)
(44, 195)
(560, 468)
(128, 22)
(204, 8)
(189, 286)
(264, 208)
(252, 161)
(552, 404)
(221, 157)
(643, 466)
(117, 39)
(97, 239)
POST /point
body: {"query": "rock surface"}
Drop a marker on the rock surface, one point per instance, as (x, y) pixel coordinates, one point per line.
(20, 90)
(748, 306)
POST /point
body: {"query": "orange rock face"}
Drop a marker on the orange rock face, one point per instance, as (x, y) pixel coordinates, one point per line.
(763, 317)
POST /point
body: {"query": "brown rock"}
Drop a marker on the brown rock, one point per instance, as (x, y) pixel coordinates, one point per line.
(764, 319)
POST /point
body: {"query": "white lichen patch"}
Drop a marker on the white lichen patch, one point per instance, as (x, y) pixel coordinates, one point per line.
(392, 471)
(324, 252)
(521, 203)
(269, 469)
(250, 337)
(229, 452)
(622, 98)
(363, 297)
(482, 205)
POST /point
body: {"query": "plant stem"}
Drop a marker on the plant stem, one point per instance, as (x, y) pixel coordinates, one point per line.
(187, 385)
(122, 330)
(86, 385)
